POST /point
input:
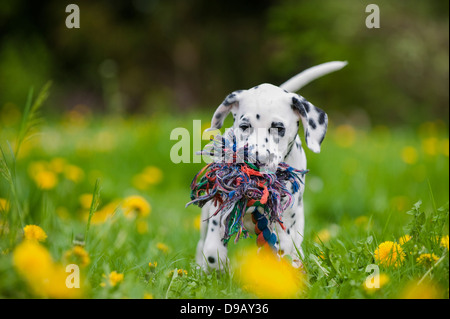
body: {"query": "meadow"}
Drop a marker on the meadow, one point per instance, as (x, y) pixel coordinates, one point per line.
(106, 197)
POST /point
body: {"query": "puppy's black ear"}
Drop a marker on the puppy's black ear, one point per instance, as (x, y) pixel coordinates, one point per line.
(315, 122)
(232, 100)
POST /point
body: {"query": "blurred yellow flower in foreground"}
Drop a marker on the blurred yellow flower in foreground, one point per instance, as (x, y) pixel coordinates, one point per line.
(405, 238)
(136, 206)
(444, 242)
(389, 254)
(381, 279)
(427, 260)
(45, 278)
(34, 232)
(268, 276)
(409, 155)
(424, 290)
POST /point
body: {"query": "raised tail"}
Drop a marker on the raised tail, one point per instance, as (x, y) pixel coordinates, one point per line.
(300, 80)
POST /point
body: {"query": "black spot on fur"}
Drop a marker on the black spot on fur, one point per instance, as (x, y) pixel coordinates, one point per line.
(211, 260)
(288, 231)
(214, 222)
(306, 105)
(321, 117)
(257, 116)
(267, 140)
(312, 124)
(230, 99)
(298, 106)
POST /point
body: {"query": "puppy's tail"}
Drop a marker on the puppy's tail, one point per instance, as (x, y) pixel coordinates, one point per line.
(300, 80)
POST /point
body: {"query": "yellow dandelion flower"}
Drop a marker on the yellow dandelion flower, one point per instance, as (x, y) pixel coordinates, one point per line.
(4, 205)
(162, 247)
(136, 206)
(152, 265)
(115, 278)
(45, 179)
(32, 260)
(102, 215)
(36, 167)
(78, 255)
(323, 236)
(85, 200)
(267, 276)
(148, 296)
(57, 164)
(46, 279)
(409, 155)
(444, 242)
(152, 175)
(56, 285)
(424, 290)
(33, 232)
(139, 182)
(182, 272)
(430, 146)
(427, 260)
(405, 238)
(73, 173)
(197, 222)
(389, 254)
(378, 280)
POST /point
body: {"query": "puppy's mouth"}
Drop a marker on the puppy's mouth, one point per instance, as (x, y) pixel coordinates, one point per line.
(269, 164)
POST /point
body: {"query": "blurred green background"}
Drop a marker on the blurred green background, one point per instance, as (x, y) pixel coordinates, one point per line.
(175, 56)
(136, 70)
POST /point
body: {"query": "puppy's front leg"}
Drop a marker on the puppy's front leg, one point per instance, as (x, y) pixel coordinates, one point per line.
(211, 251)
(290, 241)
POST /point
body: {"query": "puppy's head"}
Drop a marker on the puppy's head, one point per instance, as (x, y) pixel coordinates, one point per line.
(268, 118)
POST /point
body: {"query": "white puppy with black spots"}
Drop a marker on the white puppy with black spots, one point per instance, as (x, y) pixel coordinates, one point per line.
(268, 117)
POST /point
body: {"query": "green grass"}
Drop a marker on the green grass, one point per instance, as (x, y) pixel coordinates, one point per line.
(360, 192)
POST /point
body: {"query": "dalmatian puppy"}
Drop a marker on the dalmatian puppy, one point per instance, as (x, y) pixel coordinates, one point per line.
(268, 117)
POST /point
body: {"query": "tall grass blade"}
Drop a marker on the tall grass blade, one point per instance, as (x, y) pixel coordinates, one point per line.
(93, 208)
(31, 118)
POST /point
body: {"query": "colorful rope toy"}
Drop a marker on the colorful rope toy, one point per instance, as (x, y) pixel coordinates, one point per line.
(235, 182)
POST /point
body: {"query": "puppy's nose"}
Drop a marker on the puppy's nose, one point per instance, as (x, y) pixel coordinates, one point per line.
(262, 156)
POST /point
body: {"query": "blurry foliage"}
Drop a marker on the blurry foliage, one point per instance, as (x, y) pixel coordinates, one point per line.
(147, 56)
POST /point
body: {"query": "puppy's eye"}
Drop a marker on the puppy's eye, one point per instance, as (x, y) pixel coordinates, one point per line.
(244, 126)
(278, 128)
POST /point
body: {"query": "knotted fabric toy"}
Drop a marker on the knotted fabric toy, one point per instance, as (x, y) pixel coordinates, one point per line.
(235, 183)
